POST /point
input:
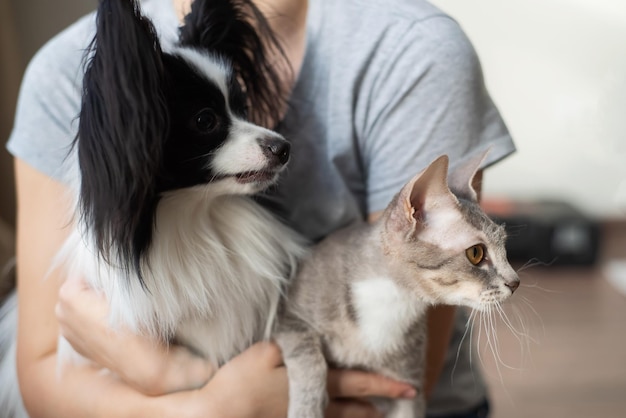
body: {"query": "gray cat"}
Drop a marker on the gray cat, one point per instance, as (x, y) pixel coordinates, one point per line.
(360, 297)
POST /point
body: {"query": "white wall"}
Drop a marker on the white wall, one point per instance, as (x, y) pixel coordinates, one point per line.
(557, 71)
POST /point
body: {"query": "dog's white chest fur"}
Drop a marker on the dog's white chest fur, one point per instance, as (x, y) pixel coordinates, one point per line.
(384, 311)
(214, 275)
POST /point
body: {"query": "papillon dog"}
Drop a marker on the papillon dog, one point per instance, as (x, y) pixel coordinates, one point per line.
(166, 227)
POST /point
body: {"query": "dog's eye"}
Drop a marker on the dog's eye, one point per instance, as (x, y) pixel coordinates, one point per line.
(205, 121)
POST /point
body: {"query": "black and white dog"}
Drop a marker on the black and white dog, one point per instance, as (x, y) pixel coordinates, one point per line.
(166, 228)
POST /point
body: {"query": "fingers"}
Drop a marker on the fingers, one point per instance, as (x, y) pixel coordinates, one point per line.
(267, 352)
(358, 384)
(77, 301)
(146, 364)
(176, 368)
(354, 384)
(253, 383)
(81, 314)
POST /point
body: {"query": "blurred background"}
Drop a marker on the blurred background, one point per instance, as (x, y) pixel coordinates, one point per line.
(557, 71)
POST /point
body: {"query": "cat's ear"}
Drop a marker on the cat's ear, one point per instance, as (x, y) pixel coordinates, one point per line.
(426, 192)
(462, 177)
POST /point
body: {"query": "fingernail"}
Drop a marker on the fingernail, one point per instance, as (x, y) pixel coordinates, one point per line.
(409, 393)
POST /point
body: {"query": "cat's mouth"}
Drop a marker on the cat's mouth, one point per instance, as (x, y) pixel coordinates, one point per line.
(492, 297)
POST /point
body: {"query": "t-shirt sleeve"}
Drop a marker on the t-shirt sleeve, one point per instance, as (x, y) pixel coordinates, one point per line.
(426, 97)
(46, 117)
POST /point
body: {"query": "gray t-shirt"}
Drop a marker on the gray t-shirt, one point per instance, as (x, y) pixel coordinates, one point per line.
(385, 88)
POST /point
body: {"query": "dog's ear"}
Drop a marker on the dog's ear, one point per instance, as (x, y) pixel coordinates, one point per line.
(123, 123)
(237, 31)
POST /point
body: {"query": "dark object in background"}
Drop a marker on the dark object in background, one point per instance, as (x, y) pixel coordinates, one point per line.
(7, 259)
(547, 231)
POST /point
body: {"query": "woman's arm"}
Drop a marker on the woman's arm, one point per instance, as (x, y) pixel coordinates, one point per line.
(42, 225)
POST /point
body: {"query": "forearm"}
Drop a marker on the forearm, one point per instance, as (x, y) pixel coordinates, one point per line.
(156, 369)
(82, 391)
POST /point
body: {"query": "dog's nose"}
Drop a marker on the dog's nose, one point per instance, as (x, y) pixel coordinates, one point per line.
(276, 149)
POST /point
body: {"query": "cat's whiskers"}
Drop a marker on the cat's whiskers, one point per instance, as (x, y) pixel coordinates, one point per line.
(479, 338)
(535, 286)
(534, 262)
(473, 317)
(517, 334)
(488, 339)
(491, 339)
(525, 337)
(468, 328)
(520, 336)
(529, 320)
(524, 309)
(521, 315)
(488, 314)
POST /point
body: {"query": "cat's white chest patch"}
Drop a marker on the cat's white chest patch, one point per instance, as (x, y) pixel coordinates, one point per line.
(384, 312)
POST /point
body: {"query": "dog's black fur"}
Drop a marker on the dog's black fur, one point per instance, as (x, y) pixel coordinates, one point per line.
(147, 115)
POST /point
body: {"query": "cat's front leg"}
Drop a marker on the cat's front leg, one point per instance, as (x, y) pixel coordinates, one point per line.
(408, 408)
(306, 370)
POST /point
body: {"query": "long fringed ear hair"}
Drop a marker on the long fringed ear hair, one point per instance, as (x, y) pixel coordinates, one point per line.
(237, 31)
(123, 123)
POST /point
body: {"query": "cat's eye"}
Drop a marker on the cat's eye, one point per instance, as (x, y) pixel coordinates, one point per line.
(205, 121)
(475, 254)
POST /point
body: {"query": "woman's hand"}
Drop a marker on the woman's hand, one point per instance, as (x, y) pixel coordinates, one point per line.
(146, 365)
(254, 384)
(348, 390)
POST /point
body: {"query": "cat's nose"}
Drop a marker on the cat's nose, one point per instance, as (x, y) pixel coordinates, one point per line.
(276, 149)
(513, 285)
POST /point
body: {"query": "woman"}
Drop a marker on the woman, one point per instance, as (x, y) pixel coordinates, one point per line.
(381, 88)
